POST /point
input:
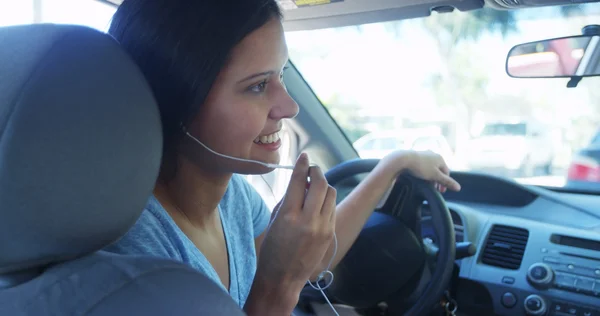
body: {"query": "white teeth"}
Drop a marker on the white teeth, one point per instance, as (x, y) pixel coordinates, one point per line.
(268, 139)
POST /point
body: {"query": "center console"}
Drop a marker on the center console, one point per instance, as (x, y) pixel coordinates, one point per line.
(536, 272)
(563, 273)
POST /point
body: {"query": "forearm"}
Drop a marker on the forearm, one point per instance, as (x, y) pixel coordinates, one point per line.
(352, 213)
(272, 298)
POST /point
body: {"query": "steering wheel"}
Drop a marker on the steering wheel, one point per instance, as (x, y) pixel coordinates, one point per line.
(389, 262)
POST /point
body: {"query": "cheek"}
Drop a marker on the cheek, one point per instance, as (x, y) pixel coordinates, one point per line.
(235, 123)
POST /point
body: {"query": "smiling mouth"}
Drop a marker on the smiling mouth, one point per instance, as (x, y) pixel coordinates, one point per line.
(267, 139)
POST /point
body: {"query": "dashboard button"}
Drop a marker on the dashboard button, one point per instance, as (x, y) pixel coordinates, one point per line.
(584, 285)
(572, 310)
(508, 280)
(559, 307)
(565, 281)
(552, 260)
(509, 300)
(535, 305)
(588, 312)
(540, 275)
(596, 290)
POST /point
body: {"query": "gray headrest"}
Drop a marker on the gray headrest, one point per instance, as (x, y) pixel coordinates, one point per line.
(80, 143)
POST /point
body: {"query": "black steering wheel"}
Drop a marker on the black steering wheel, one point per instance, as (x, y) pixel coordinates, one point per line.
(389, 262)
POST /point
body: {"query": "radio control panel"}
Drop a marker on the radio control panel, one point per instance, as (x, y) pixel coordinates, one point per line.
(559, 275)
(561, 272)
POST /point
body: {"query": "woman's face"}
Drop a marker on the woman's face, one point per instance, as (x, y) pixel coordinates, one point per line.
(247, 104)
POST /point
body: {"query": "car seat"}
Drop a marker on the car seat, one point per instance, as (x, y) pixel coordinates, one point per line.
(80, 148)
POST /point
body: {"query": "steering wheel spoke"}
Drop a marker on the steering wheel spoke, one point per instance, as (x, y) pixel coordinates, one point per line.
(389, 260)
(405, 202)
(431, 252)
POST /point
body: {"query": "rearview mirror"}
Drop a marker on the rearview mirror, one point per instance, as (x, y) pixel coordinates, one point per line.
(566, 57)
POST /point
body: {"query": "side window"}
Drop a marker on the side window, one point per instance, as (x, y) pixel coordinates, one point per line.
(596, 139)
(272, 186)
(390, 143)
(369, 145)
(425, 143)
(91, 13)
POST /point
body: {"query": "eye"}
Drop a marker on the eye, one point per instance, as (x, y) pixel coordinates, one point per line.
(259, 88)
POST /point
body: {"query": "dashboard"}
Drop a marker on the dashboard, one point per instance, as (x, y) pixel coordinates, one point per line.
(538, 251)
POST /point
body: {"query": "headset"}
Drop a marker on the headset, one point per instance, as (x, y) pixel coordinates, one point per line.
(325, 272)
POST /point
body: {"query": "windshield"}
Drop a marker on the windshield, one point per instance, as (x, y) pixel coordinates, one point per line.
(519, 129)
(447, 72)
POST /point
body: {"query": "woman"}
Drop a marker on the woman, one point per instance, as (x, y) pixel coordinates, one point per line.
(216, 70)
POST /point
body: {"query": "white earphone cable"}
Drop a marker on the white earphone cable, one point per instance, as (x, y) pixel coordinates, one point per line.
(323, 274)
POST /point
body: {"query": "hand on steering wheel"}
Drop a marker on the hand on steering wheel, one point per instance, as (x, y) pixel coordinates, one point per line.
(425, 165)
(389, 261)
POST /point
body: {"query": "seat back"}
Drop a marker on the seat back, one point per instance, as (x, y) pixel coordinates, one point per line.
(80, 149)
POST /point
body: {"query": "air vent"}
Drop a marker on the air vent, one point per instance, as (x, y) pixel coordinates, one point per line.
(509, 3)
(459, 233)
(505, 247)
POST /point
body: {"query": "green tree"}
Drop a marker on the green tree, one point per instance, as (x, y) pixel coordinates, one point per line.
(461, 81)
(344, 115)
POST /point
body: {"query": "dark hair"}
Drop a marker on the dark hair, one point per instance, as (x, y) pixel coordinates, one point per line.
(181, 46)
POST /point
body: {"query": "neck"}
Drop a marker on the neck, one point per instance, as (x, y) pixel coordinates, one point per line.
(193, 194)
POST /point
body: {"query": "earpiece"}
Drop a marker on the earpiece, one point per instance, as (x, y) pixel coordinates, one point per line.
(326, 272)
(264, 164)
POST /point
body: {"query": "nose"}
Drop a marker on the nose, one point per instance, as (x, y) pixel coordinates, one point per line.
(284, 106)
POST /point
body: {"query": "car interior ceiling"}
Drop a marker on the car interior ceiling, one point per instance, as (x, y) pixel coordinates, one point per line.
(557, 272)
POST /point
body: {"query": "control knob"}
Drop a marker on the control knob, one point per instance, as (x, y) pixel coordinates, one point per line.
(540, 275)
(535, 305)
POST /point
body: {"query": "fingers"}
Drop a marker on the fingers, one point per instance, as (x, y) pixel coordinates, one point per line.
(297, 188)
(445, 171)
(440, 187)
(317, 192)
(330, 203)
(446, 181)
(444, 168)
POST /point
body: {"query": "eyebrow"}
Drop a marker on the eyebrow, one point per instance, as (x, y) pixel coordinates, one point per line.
(261, 74)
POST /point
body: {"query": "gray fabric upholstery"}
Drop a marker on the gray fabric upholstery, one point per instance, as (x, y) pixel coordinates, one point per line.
(80, 148)
(80, 143)
(109, 284)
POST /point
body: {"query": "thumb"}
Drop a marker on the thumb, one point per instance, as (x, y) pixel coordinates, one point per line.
(296, 190)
